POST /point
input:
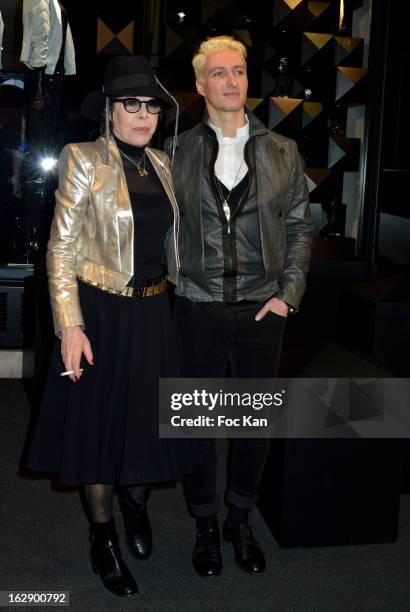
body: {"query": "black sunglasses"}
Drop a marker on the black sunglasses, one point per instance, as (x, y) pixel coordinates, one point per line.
(133, 105)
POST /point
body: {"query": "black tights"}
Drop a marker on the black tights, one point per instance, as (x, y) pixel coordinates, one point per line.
(99, 499)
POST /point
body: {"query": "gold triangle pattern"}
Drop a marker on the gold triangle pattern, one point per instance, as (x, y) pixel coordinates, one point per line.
(317, 8)
(319, 40)
(104, 35)
(245, 37)
(348, 44)
(292, 4)
(313, 109)
(126, 36)
(353, 74)
(287, 105)
(252, 103)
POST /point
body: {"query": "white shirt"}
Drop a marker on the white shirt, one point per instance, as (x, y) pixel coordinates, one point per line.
(230, 166)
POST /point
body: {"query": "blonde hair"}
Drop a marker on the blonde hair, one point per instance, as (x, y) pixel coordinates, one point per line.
(217, 43)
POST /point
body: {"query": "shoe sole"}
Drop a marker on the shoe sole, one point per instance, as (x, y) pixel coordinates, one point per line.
(207, 575)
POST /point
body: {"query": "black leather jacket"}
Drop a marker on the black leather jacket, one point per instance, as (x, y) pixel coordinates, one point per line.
(285, 224)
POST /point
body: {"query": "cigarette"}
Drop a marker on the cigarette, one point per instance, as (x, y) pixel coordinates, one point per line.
(68, 372)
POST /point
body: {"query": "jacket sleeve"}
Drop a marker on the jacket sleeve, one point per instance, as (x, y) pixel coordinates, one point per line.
(72, 198)
(299, 227)
(36, 23)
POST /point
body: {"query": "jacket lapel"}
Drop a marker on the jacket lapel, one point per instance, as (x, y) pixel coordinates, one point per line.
(115, 188)
(163, 175)
(57, 9)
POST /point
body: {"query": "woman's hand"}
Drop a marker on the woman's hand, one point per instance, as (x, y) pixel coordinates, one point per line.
(74, 343)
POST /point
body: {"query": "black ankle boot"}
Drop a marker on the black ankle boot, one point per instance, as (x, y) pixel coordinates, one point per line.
(137, 526)
(107, 561)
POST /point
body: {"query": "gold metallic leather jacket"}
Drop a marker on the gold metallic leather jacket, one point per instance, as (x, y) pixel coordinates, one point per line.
(92, 233)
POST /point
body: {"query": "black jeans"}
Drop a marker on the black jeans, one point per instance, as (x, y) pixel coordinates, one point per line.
(213, 336)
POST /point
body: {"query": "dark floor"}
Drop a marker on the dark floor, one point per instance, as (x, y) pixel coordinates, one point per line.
(43, 536)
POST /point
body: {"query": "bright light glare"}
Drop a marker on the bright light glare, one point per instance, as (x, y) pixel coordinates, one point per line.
(48, 163)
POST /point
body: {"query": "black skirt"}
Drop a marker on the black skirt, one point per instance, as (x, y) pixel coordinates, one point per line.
(104, 428)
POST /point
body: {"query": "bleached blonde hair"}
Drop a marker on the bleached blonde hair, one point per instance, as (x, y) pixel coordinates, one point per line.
(217, 43)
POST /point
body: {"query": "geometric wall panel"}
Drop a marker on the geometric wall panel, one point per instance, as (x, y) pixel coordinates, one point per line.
(345, 153)
(189, 103)
(211, 7)
(126, 36)
(190, 108)
(311, 110)
(253, 103)
(324, 16)
(244, 37)
(347, 79)
(297, 89)
(348, 50)
(269, 52)
(283, 9)
(268, 83)
(109, 43)
(317, 8)
(172, 41)
(104, 35)
(289, 110)
(316, 178)
(312, 43)
(318, 52)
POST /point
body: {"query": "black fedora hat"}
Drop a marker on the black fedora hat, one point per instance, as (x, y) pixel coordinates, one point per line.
(125, 76)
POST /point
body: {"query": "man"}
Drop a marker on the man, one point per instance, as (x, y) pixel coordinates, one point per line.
(245, 241)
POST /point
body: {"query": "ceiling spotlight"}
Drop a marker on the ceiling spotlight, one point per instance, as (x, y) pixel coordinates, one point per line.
(181, 16)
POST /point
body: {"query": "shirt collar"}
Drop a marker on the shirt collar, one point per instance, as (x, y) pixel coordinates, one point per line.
(242, 133)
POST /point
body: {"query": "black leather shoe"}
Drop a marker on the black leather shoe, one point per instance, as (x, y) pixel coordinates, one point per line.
(137, 526)
(206, 556)
(248, 554)
(107, 561)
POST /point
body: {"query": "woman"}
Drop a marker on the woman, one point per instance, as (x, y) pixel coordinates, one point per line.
(114, 208)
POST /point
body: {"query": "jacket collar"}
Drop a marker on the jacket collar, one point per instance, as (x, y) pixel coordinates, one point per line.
(57, 9)
(109, 154)
(256, 127)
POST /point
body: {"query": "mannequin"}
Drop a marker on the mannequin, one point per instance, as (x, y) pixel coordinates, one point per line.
(1, 36)
(48, 50)
(44, 38)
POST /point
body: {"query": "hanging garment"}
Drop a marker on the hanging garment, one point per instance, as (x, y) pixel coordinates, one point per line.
(43, 37)
(1, 37)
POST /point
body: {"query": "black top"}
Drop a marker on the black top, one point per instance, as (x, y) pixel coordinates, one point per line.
(151, 209)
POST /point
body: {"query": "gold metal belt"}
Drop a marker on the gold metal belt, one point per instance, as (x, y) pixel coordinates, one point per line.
(147, 286)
